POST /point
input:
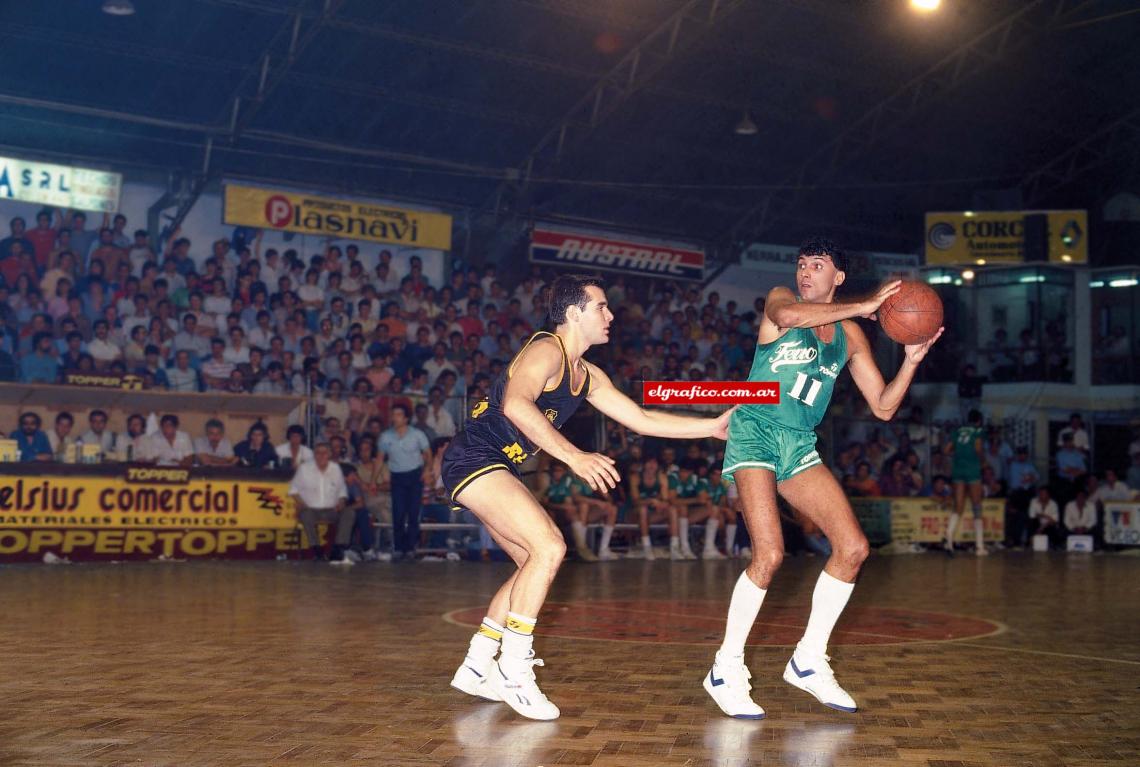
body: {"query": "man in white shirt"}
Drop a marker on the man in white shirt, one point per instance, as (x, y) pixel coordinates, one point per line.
(1044, 517)
(438, 419)
(1112, 489)
(1076, 427)
(98, 434)
(319, 491)
(60, 437)
(1080, 515)
(170, 446)
(214, 449)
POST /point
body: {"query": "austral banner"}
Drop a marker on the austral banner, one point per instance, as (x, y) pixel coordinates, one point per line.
(631, 257)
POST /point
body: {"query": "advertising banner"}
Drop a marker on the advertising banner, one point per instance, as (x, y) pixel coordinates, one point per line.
(146, 513)
(1122, 523)
(329, 217)
(61, 186)
(991, 237)
(922, 520)
(611, 254)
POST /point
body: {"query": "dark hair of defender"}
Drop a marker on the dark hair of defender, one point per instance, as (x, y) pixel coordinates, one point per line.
(570, 290)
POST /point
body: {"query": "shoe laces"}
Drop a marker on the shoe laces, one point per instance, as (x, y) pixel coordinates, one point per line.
(736, 673)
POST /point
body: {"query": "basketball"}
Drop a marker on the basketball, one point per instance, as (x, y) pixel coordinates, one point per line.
(913, 315)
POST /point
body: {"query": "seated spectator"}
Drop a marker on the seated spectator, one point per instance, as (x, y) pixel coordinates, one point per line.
(376, 481)
(152, 370)
(1112, 489)
(41, 366)
(862, 483)
(1132, 479)
(438, 418)
(293, 452)
(170, 446)
(255, 450)
(98, 433)
(32, 443)
(182, 377)
(361, 523)
(214, 449)
(103, 348)
(1076, 429)
(319, 491)
(273, 382)
(992, 486)
(134, 440)
(216, 369)
(1080, 515)
(60, 437)
(898, 482)
(942, 492)
(1044, 518)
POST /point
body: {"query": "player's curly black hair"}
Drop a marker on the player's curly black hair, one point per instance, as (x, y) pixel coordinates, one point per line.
(822, 246)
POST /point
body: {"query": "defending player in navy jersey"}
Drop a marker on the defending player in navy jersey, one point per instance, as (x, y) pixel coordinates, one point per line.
(541, 388)
(804, 344)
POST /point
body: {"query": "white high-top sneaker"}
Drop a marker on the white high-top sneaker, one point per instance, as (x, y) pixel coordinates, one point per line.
(813, 675)
(518, 688)
(727, 683)
(471, 678)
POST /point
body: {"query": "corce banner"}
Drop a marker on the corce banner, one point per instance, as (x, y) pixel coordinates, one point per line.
(591, 251)
(989, 237)
(338, 219)
(146, 513)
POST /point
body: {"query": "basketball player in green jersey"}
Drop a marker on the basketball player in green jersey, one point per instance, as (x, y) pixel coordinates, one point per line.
(803, 345)
(968, 448)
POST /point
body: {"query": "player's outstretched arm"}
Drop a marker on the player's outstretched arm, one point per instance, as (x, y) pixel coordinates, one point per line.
(537, 364)
(782, 309)
(652, 423)
(883, 398)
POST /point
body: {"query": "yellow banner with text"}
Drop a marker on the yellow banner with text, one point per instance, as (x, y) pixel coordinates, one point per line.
(989, 237)
(339, 219)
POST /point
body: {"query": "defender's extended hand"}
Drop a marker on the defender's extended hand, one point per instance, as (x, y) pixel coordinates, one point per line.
(720, 429)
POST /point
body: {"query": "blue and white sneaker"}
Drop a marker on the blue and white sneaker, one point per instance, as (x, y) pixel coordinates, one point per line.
(727, 683)
(813, 675)
(473, 681)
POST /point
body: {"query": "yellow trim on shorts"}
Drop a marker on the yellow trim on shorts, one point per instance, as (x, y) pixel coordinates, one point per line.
(475, 474)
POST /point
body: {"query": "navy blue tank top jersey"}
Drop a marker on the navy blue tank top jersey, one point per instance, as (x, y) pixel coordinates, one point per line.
(488, 424)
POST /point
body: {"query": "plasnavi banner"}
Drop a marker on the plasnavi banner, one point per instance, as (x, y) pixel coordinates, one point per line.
(337, 218)
(710, 393)
(634, 257)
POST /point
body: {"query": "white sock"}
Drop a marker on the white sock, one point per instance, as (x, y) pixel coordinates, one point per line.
(980, 533)
(827, 603)
(483, 648)
(951, 526)
(646, 543)
(674, 542)
(746, 600)
(607, 531)
(684, 531)
(710, 535)
(579, 531)
(729, 538)
(518, 641)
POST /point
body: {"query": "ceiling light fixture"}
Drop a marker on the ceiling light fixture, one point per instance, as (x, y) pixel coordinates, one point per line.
(118, 7)
(925, 6)
(746, 127)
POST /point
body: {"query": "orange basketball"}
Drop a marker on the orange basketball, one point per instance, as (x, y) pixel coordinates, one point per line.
(913, 315)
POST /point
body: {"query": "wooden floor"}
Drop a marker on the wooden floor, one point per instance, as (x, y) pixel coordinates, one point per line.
(297, 663)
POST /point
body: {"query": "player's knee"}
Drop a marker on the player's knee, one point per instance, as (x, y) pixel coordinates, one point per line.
(550, 552)
(856, 552)
(766, 560)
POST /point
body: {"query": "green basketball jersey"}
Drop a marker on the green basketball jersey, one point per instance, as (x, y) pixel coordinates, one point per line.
(806, 369)
(688, 489)
(559, 491)
(965, 456)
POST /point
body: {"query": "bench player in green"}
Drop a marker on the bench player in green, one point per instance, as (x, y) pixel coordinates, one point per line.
(596, 507)
(803, 345)
(556, 494)
(968, 456)
(650, 497)
(691, 499)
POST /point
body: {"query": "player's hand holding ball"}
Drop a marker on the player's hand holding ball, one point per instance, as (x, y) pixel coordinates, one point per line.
(912, 316)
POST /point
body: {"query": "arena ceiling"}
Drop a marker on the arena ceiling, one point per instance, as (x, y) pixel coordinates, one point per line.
(618, 112)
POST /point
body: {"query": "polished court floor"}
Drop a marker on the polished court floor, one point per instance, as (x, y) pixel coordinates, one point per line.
(1018, 660)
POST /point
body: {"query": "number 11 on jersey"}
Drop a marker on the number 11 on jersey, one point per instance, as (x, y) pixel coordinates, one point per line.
(797, 391)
